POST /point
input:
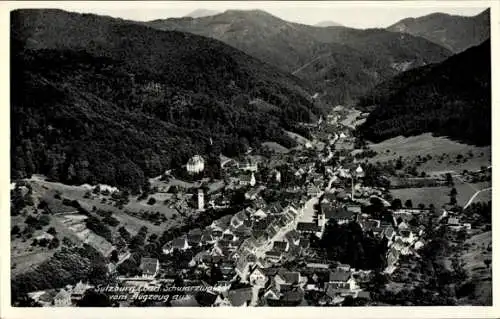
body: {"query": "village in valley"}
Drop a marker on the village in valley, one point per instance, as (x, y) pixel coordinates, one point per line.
(316, 225)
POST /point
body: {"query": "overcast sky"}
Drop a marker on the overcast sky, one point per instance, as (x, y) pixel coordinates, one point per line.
(357, 15)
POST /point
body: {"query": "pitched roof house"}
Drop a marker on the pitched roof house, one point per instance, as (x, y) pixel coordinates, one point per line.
(149, 267)
(240, 297)
(341, 282)
(293, 237)
(79, 290)
(258, 277)
(247, 179)
(308, 227)
(238, 219)
(180, 243)
(62, 299)
(280, 246)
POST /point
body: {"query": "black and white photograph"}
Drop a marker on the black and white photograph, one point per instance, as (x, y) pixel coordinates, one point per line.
(261, 154)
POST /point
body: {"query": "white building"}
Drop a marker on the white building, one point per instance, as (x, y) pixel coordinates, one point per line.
(62, 299)
(257, 277)
(249, 164)
(195, 165)
(359, 172)
(149, 267)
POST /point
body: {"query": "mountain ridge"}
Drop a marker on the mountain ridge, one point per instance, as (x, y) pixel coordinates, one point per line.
(289, 46)
(454, 32)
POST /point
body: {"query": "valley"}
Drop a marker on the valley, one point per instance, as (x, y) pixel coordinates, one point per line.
(262, 161)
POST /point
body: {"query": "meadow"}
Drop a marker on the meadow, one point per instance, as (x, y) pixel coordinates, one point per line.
(426, 144)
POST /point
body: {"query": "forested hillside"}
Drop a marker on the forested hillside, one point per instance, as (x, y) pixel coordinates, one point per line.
(341, 62)
(96, 99)
(452, 99)
(456, 33)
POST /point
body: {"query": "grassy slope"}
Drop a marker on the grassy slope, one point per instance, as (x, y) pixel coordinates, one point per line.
(474, 264)
(439, 196)
(424, 144)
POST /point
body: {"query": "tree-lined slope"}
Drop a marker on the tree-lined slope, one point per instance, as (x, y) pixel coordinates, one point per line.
(452, 98)
(97, 99)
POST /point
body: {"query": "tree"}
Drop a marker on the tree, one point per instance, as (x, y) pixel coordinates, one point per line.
(408, 203)
(449, 179)
(432, 209)
(67, 242)
(397, 204)
(151, 201)
(15, 230)
(52, 231)
(97, 189)
(54, 243)
(453, 192)
(487, 262)
(421, 206)
(453, 200)
(124, 233)
(399, 163)
(114, 256)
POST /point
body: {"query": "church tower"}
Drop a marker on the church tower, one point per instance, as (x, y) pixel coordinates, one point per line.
(201, 199)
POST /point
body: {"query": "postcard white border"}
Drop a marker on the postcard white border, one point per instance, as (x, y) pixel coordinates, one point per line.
(6, 311)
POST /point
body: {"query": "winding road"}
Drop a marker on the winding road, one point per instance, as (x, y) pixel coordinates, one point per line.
(474, 196)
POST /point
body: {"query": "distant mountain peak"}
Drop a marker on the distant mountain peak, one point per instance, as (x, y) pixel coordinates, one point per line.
(328, 23)
(200, 13)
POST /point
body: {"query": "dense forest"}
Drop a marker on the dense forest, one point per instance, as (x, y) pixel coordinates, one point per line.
(68, 266)
(95, 99)
(451, 99)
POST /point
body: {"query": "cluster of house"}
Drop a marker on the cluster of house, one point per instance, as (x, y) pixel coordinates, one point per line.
(406, 239)
(453, 221)
(244, 238)
(276, 286)
(250, 246)
(64, 297)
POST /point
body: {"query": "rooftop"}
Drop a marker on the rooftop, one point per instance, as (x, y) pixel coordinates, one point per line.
(148, 265)
(239, 297)
(308, 227)
(280, 246)
(341, 276)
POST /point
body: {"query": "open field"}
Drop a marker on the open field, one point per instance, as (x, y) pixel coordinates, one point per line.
(426, 144)
(47, 190)
(275, 147)
(298, 138)
(23, 263)
(439, 196)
